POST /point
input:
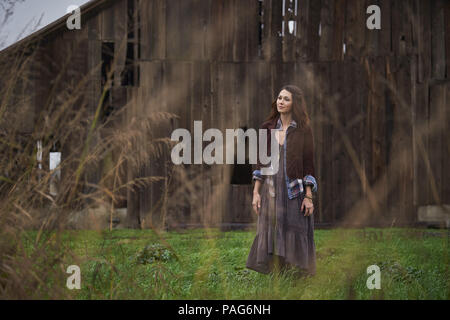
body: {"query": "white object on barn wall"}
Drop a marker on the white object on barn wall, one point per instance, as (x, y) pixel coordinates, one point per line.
(39, 153)
(434, 214)
(55, 160)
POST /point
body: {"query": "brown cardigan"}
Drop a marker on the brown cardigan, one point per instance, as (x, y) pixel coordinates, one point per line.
(299, 150)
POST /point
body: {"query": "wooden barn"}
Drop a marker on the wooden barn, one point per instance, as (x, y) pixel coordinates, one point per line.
(379, 99)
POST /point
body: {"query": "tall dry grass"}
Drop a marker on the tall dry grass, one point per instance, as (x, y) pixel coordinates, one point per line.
(105, 159)
(100, 165)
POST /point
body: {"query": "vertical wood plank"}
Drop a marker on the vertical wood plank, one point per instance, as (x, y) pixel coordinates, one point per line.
(318, 105)
(275, 30)
(355, 27)
(402, 25)
(338, 37)
(398, 46)
(228, 30)
(401, 177)
(423, 31)
(252, 30)
(200, 111)
(296, 46)
(447, 37)
(407, 135)
(370, 134)
(436, 139)
(355, 119)
(378, 128)
(345, 115)
(372, 37)
(224, 89)
(239, 43)
(336, 142)
(198, 13)
(313, 39)
(107, 23)
(266, 40)
(213, 33)
(326, 30)
(260, 99)
(437, 39)
(421, 139)
(133, 200)
(120, 38)
(94, 27)
(216, 118)
(178, 90)
(153, 28)
(326, 161)
(408, 26)
(186, 31)
(151, 100)
(385, 47)
(415, 187)
(176, 20)
(446, 146)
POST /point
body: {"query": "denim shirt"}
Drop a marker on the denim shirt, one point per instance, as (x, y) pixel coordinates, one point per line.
(294, 186)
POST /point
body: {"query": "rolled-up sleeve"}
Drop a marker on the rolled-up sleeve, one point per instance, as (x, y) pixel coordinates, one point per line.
(257, 175)
(309, 180)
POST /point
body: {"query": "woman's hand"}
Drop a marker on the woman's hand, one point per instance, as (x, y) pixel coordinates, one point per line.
(256, 203)
(308, 205)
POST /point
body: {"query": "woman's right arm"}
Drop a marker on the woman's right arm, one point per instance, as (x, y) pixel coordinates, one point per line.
(257, 186)
(259, 180)
(256, 203)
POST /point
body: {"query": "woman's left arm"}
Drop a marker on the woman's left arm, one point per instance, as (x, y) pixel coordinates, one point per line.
(308, 169)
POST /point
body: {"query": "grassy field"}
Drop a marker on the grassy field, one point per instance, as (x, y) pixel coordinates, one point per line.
(210, 264)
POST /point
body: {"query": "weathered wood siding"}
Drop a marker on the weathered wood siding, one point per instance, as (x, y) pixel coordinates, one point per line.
(378, 99)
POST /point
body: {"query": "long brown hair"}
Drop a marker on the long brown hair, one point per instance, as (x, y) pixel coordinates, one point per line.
(299, 111)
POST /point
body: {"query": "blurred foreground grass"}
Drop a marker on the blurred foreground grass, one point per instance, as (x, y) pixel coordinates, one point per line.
(210, 264)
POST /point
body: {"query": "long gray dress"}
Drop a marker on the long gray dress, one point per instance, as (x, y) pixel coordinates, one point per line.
(283, 232)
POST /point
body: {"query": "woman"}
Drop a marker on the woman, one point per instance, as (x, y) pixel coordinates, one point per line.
(283, 201)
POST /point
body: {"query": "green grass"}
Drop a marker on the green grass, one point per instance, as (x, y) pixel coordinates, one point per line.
(210, 264)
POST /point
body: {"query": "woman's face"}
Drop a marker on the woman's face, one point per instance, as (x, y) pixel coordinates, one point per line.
(284, 102)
